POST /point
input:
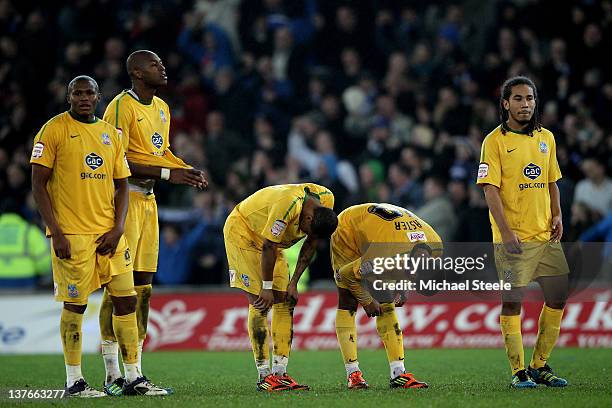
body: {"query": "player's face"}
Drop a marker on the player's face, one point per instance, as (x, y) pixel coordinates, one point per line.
(83, 98)
(521, 104)
(154, 72)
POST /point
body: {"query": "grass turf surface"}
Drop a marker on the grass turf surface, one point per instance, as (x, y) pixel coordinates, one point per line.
(471, 378)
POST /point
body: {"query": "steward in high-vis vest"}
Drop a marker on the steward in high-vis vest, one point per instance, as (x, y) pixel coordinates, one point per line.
(24, 252)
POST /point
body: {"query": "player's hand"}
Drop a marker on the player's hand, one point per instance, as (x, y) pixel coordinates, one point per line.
(189, 177)
(512, 243)
(61, 246)
(399, 299)
(264, 301)
(373, 309)
(292, 293)
(557, 229)
(107, 243)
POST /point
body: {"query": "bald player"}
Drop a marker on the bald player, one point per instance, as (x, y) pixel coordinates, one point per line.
(143, 121)
(79, 182)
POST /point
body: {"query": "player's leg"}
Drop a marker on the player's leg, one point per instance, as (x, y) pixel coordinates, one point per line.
(390, 333)
(346, 332)
(74, 279)
(282, 325)
(555, 286)
(514, 269)
(143, 285)
(134, 225)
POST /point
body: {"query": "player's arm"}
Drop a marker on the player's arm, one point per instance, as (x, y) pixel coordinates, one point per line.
(187, 176)
(305, 257)
(40, 177)
(268, 259)
(107, 243)
(555, 207)
(354, 283)
(494, 202)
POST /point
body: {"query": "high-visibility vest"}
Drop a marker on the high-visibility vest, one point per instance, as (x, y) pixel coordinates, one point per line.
(24, 250)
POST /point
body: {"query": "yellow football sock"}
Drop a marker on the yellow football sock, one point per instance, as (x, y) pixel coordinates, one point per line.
(143, 294)
(70, 330)
(548, 332)
(282, 329)
(258, 333)
(346, 331)
(511, 330)
(126, 331)
(106, 318)
(390, 332)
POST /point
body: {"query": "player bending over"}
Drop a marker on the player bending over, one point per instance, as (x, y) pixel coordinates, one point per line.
(255, 233)
(364, 232)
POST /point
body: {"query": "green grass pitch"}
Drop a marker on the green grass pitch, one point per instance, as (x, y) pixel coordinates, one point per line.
(466, 378)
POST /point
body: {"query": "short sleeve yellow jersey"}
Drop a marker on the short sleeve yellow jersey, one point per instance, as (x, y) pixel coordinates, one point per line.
(273, 213)
(85, 158)
(371, 230)
(144, 130)
(521, 166)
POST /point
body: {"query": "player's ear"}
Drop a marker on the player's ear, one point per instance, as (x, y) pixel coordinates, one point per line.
(506, 104)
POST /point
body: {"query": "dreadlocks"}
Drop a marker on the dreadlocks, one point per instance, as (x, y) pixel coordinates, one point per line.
(534, 122)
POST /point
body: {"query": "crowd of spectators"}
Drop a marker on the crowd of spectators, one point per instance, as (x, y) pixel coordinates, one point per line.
(380, 100)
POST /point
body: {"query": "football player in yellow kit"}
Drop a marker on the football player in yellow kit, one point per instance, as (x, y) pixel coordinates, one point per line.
(79, 182)
(255, 233)
(144, 123)
(366, 232)
(518, 171)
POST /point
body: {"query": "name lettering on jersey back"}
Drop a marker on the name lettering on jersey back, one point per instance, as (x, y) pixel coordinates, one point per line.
(412, 225)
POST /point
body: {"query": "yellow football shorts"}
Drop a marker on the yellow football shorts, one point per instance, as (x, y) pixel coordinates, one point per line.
(338, 261)
(537, 260)
(86, 271)
(245, 263)
(142, 231)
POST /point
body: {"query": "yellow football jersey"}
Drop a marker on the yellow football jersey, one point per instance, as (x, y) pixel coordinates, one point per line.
(371, 230)
(273, 213)
(145, 130)
(521, 166)
(85, 158)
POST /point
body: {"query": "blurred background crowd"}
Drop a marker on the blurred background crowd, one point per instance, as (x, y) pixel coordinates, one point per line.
(379, 100)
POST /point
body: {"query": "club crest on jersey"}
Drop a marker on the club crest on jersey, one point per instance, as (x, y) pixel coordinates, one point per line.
(543, 147)
(162, 116)
(245, 280)
(106, 139)
(157, 140)
(93, 161)
(72, 290)
(532, 171)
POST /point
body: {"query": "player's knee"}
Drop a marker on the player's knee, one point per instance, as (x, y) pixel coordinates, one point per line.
(143, 278)
(124, 305)
(80, 309)
(559, 305)
(346, 301)
(511, 308)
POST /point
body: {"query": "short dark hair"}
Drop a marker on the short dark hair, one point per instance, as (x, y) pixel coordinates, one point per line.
(324, 222)
(83, 78)
(506, 91)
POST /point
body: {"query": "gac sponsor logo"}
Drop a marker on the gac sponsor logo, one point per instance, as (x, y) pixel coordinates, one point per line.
(157, 140)
(532, 171)
(93, 161)
(525, 186)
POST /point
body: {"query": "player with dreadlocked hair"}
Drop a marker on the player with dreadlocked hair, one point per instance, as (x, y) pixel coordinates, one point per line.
(519, 171)
(504, 113)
